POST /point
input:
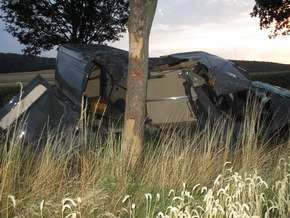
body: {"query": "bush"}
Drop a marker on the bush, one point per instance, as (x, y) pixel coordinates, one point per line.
(6, 94)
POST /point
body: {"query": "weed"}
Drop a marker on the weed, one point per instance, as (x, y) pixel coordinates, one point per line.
(180, 175)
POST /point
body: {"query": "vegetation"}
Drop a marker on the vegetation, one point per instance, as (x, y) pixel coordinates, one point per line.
(178, 175)
(281, 79)
(273, 14)
(41, 25)
(6, 94)
(12, 63)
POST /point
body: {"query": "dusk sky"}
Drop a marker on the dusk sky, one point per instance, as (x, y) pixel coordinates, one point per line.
(220, 27)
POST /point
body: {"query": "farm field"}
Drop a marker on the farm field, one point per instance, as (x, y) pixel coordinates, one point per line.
(11, 79)
(279, 78)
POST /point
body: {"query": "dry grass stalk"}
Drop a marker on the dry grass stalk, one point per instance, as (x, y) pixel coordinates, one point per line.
(92, 175)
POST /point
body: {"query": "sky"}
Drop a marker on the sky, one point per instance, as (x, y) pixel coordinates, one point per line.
(220, 27)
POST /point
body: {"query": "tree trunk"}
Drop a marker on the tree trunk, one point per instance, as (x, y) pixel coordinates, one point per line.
(139, 26)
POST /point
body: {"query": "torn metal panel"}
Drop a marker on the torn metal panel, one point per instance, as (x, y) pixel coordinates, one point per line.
(228, 78)
(37, 108)
(21, 106)
(274, 89)
(276, 102)
(75, 62)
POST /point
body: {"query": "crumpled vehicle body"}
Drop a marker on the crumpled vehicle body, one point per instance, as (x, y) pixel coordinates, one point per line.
(37, 109)
(273, 102)
(182, 87)
(276, 106)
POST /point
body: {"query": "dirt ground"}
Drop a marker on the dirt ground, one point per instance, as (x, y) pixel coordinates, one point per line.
(11, 79)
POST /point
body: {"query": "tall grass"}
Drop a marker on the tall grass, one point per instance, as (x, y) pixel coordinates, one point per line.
(178, 175)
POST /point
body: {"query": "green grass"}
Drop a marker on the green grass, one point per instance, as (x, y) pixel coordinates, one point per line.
(177, 175)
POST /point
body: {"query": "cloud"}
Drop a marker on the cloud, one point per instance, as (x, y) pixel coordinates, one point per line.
(221, 27)
(198, 12)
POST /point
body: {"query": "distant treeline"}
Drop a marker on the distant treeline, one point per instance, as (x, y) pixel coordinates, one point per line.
(10, 63)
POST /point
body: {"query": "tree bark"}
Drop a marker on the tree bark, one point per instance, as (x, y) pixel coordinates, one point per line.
(139, 27)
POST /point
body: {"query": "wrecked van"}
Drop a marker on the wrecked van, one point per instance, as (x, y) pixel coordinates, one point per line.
(183, 87)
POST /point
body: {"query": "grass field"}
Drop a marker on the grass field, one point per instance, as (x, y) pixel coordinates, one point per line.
(11, 79)
(177, 175)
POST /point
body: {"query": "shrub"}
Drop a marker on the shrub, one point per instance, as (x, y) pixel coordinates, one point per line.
(6, 94)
